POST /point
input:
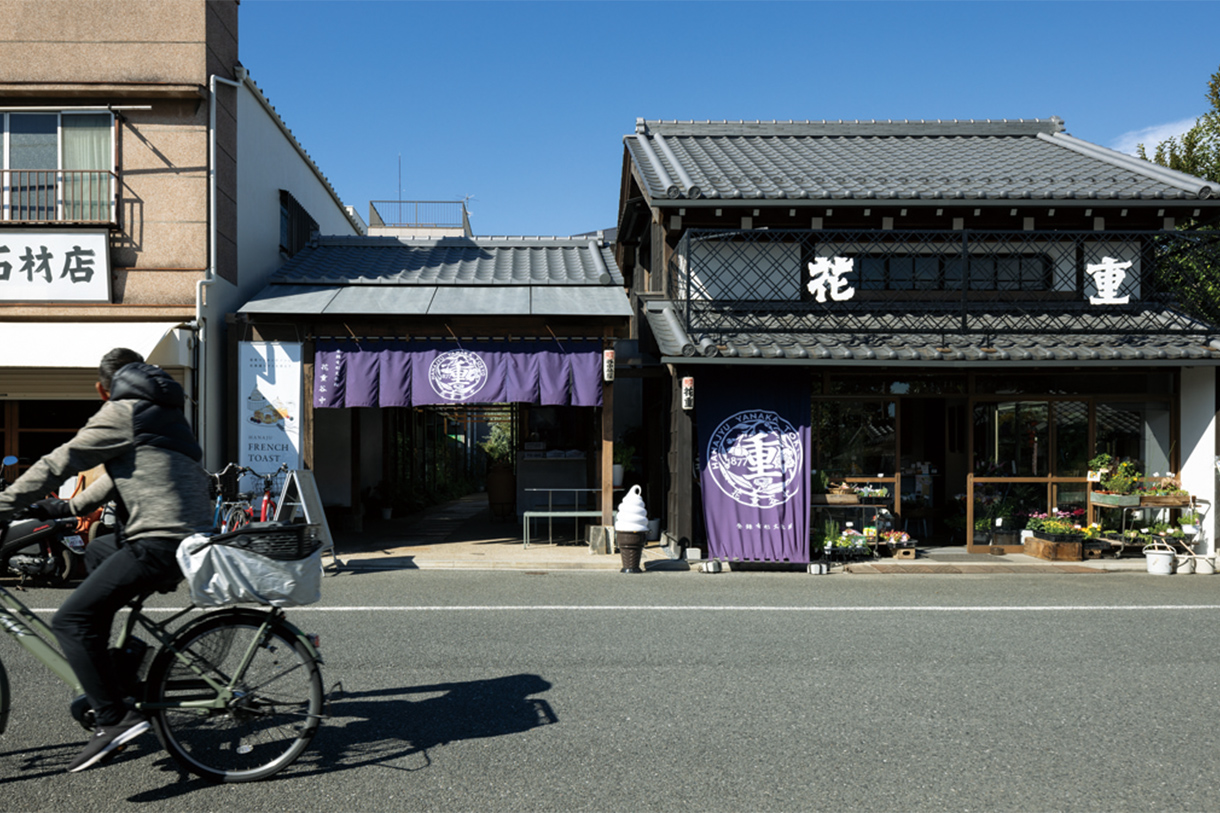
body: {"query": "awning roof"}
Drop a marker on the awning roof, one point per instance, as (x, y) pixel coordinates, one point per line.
(82, 344)
(803, 346)
(501, 276)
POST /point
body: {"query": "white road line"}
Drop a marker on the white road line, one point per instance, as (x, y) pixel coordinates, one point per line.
(707, 608)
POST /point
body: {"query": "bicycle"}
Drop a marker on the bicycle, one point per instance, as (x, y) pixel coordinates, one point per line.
(224, 487)
(242, 512)
(234, 695)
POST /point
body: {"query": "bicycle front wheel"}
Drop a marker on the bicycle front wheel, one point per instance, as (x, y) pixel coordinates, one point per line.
(237, 517)
(270, 717)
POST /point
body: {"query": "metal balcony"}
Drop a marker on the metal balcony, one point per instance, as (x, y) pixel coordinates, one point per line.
(75, 197)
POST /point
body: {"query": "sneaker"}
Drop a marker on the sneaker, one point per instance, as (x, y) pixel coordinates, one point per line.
(109, 740)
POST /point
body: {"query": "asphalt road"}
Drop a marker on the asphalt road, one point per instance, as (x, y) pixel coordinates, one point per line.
(599, 691)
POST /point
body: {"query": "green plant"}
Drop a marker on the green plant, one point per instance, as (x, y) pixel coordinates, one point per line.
(1117, 478)
(820, 482)
(622, 456)
(498, 445)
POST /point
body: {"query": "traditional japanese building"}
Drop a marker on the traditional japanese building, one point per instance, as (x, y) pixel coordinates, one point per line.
(957, 315)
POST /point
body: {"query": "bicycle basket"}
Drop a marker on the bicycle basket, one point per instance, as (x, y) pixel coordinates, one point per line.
(263, 563)
(276, 540)
(224, 484)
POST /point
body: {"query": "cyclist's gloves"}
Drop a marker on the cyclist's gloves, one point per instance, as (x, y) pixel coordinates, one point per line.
(50, 508)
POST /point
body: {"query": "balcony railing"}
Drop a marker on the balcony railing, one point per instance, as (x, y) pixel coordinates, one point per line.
(946, 282)
(419, 214)
(58, 196)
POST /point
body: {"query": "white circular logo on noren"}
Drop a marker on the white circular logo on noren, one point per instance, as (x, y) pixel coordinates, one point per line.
(456, 375)
(754, 458)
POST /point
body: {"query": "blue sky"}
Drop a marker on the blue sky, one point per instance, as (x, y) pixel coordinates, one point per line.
(523, 106)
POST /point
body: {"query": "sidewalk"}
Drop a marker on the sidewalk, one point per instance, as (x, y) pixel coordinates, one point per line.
(463, 535)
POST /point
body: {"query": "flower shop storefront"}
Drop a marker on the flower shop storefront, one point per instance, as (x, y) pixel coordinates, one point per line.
(988, 461)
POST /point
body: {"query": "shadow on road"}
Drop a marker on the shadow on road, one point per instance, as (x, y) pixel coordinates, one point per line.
(390, 729)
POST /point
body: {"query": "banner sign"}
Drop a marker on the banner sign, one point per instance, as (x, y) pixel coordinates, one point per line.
(48, 266)
(401, 373)
(269, 403)
(755, 470)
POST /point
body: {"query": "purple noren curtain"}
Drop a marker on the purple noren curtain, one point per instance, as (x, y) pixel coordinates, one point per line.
(755, 436)
(398, 373)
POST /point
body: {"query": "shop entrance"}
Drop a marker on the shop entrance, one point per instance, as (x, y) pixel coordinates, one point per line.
(932, 453)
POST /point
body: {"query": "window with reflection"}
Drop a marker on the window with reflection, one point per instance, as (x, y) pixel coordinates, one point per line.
(1011, 439)
(1071, 429)
(855, 437)
(1138, 431)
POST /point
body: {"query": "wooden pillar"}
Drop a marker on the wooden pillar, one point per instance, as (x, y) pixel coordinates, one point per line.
(607, 463)
(306, 409)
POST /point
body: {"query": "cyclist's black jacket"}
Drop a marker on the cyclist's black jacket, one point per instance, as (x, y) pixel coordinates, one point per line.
(152, 461)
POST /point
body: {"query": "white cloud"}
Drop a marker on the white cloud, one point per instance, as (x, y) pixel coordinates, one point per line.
(1150, 136)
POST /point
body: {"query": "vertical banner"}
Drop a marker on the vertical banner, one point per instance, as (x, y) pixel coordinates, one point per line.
(755, 437)
(269, 405)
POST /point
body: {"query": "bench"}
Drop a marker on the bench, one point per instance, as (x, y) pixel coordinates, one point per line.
(551, 513)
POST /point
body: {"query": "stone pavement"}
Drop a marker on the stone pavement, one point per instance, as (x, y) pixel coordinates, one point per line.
(464, 534)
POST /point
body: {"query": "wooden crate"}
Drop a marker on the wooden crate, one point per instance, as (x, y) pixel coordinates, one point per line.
(1054, 551)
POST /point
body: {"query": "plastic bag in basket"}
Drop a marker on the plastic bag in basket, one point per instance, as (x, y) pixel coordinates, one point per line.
(221, 574)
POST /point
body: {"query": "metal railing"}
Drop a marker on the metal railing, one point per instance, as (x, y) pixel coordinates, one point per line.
(957, 282)
(58, 196)
(437, 214)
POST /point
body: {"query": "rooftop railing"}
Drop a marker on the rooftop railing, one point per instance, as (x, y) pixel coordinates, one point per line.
(437, 214)
(946, 281)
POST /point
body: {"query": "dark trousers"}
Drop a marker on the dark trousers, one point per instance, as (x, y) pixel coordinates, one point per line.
(83, 622)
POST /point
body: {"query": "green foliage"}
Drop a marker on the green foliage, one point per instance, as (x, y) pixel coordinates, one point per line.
(1197, 152)
(498, 445)
(1116, 478)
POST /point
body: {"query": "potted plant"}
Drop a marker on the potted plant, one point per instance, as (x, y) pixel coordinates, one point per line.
(501, 481)
(1162, 491)
(622, 461)
(1117, 481)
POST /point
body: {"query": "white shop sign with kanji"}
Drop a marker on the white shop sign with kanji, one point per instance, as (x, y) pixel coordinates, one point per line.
(44, 266)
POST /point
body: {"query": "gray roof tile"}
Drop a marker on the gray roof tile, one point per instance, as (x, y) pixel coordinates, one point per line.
(507, 276)
(828, 161)
(798, 344)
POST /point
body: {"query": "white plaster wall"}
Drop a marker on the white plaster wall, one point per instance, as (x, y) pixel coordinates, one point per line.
(1199, 445)
(267, 161)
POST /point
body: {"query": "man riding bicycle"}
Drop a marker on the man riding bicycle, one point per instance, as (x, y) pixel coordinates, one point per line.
(153, 473)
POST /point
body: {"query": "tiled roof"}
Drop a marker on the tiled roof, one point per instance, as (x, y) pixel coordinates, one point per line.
(509, 276)
(892, 160)
(453, 261)
(798, 344)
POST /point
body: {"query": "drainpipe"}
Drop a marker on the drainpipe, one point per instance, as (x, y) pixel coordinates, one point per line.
(203, 369)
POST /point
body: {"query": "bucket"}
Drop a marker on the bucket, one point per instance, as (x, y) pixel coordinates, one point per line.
(654, 530)
(1185, 564)
(1160, 562)
(1205, 565)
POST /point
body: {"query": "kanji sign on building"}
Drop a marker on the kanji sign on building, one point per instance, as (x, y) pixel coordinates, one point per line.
(38, 266)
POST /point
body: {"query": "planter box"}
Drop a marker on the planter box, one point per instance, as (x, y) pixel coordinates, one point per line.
(835, 499)
(1116, 500)
(1054, 551)
(1165, 501)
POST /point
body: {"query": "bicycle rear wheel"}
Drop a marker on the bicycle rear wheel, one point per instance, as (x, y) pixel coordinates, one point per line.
(276, 705)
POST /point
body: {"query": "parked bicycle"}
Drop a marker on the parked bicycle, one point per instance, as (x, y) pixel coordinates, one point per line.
(234, 695)
(224, 491)
(242, 512)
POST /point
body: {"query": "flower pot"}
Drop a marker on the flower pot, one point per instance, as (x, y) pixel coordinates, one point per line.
(1159, 561)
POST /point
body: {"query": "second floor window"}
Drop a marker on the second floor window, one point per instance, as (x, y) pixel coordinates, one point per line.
(57, 166)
